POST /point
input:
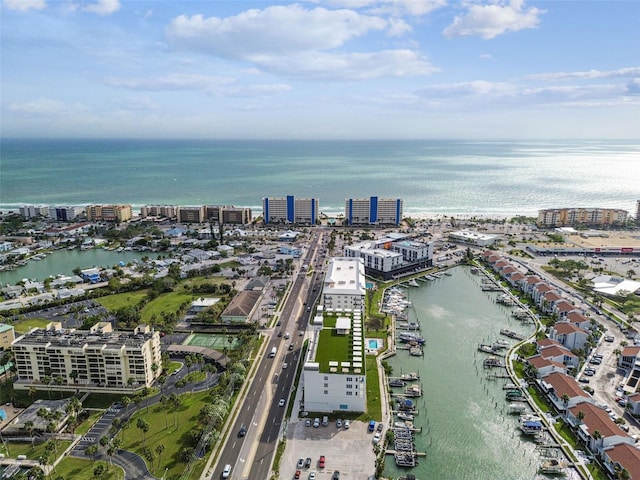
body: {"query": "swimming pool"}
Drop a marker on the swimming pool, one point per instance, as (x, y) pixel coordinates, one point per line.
(374, 343)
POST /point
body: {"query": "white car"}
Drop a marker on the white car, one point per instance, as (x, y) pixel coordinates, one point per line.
(347, 424)
(338, 423)
(281, 402)
(226, 473)
(377, 437)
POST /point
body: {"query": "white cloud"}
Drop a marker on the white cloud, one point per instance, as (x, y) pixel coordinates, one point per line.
(103, 7)
(349, 66)
(489, 21)
(170, 82)
(485, 56)
(479, 88)
(23, 5)
(45, 107)
(138, 103)
(627, 72)
(392, 7)
(258, 90)
(253, 32)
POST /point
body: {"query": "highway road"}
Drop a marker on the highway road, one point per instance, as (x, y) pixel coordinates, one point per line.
(251, 455)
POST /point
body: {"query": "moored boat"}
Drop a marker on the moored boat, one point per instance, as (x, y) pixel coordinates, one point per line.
(410, 376)
(396, 382)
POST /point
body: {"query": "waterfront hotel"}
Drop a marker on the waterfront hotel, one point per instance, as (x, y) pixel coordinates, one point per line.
(373, 211)
(290, 209)
(333, 375)
(98, 359)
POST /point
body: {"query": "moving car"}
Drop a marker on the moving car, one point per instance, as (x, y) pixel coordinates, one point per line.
(226, 472)
(281, 402)
(243, 431)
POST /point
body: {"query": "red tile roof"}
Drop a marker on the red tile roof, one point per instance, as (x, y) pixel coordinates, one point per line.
(595, 418)
(628, 456)
(564, 384)
(565, 328)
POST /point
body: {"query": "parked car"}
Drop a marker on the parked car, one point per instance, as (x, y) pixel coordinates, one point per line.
(609, 338)
(316, 422)
(307, 422)
(307, 462)
(312, 475)
(347, 424)
(583, 380)
(339, 423)
(297, 474)
(336, 475)
(377, 437)
(321, 462)
(372, 426)
(300, 463)
(379, 427)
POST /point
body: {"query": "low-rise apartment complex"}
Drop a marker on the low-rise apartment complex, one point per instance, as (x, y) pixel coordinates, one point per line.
(564, 217)
(98, 359)
(392, 255)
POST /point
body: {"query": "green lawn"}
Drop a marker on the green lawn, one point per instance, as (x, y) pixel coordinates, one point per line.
(120, 300)
(164, 431)
(332, 347)
(23, 326)
(168, 302)
(32, 453)
(374, 400)
(71, 468)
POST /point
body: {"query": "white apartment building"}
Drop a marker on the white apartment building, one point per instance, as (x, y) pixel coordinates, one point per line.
(290, 209)
(344, 285)
(34, 211)
(333, 376)
(391, 255)
(373, 211)
(98, 359)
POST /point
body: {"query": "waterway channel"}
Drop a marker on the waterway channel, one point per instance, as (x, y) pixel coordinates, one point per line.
(467, 433)
(65, 261)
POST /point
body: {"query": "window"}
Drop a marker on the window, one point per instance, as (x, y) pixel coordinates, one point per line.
(349, 386)
(349, 393)
(326, 392)
(326, 385)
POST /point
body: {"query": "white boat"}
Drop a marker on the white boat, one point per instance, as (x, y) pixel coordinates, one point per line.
(410, 376)
(516, 407)
(405, 416)
(413, 283)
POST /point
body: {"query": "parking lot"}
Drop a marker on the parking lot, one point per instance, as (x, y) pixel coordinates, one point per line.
(338, 445)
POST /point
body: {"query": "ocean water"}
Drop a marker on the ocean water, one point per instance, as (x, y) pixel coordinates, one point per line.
(432, 177)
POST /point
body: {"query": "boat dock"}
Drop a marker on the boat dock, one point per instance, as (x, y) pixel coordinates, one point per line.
(511, 334)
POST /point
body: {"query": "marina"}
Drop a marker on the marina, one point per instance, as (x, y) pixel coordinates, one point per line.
(463, 407)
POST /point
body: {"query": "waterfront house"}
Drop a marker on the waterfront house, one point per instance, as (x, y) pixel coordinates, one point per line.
(12, 291)
(622, 457)
(579, 320)
(548, 301)
(515, 279)
(562, 308)
(633, 403)
(91, 275)
(539, 291)
(544, 366)
(569, 335)
(596, 419)
(562, 391)
(557, 352)
(529, 283)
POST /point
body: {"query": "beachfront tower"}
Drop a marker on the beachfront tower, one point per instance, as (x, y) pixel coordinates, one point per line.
(290, 209)
(373, 211)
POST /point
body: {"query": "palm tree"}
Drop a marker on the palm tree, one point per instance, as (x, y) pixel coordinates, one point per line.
(91, 451)
(159, 449)
(164, 402)
(144, 428)
(47, 381)
(28, 426)
(59, 381)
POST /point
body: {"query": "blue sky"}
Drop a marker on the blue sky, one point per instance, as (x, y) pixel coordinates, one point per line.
(320, 69)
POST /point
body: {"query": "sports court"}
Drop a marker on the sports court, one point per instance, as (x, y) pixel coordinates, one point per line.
(213, 341)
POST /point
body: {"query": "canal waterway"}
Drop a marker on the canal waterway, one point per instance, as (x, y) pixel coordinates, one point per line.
(65, 261)
(467, 433)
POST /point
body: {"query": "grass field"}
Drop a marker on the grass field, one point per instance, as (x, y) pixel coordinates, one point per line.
(164, 431)
(216, 342)
(71, 468)
(168, 302)
(23, 326)
(120, 300)
(32, 453)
